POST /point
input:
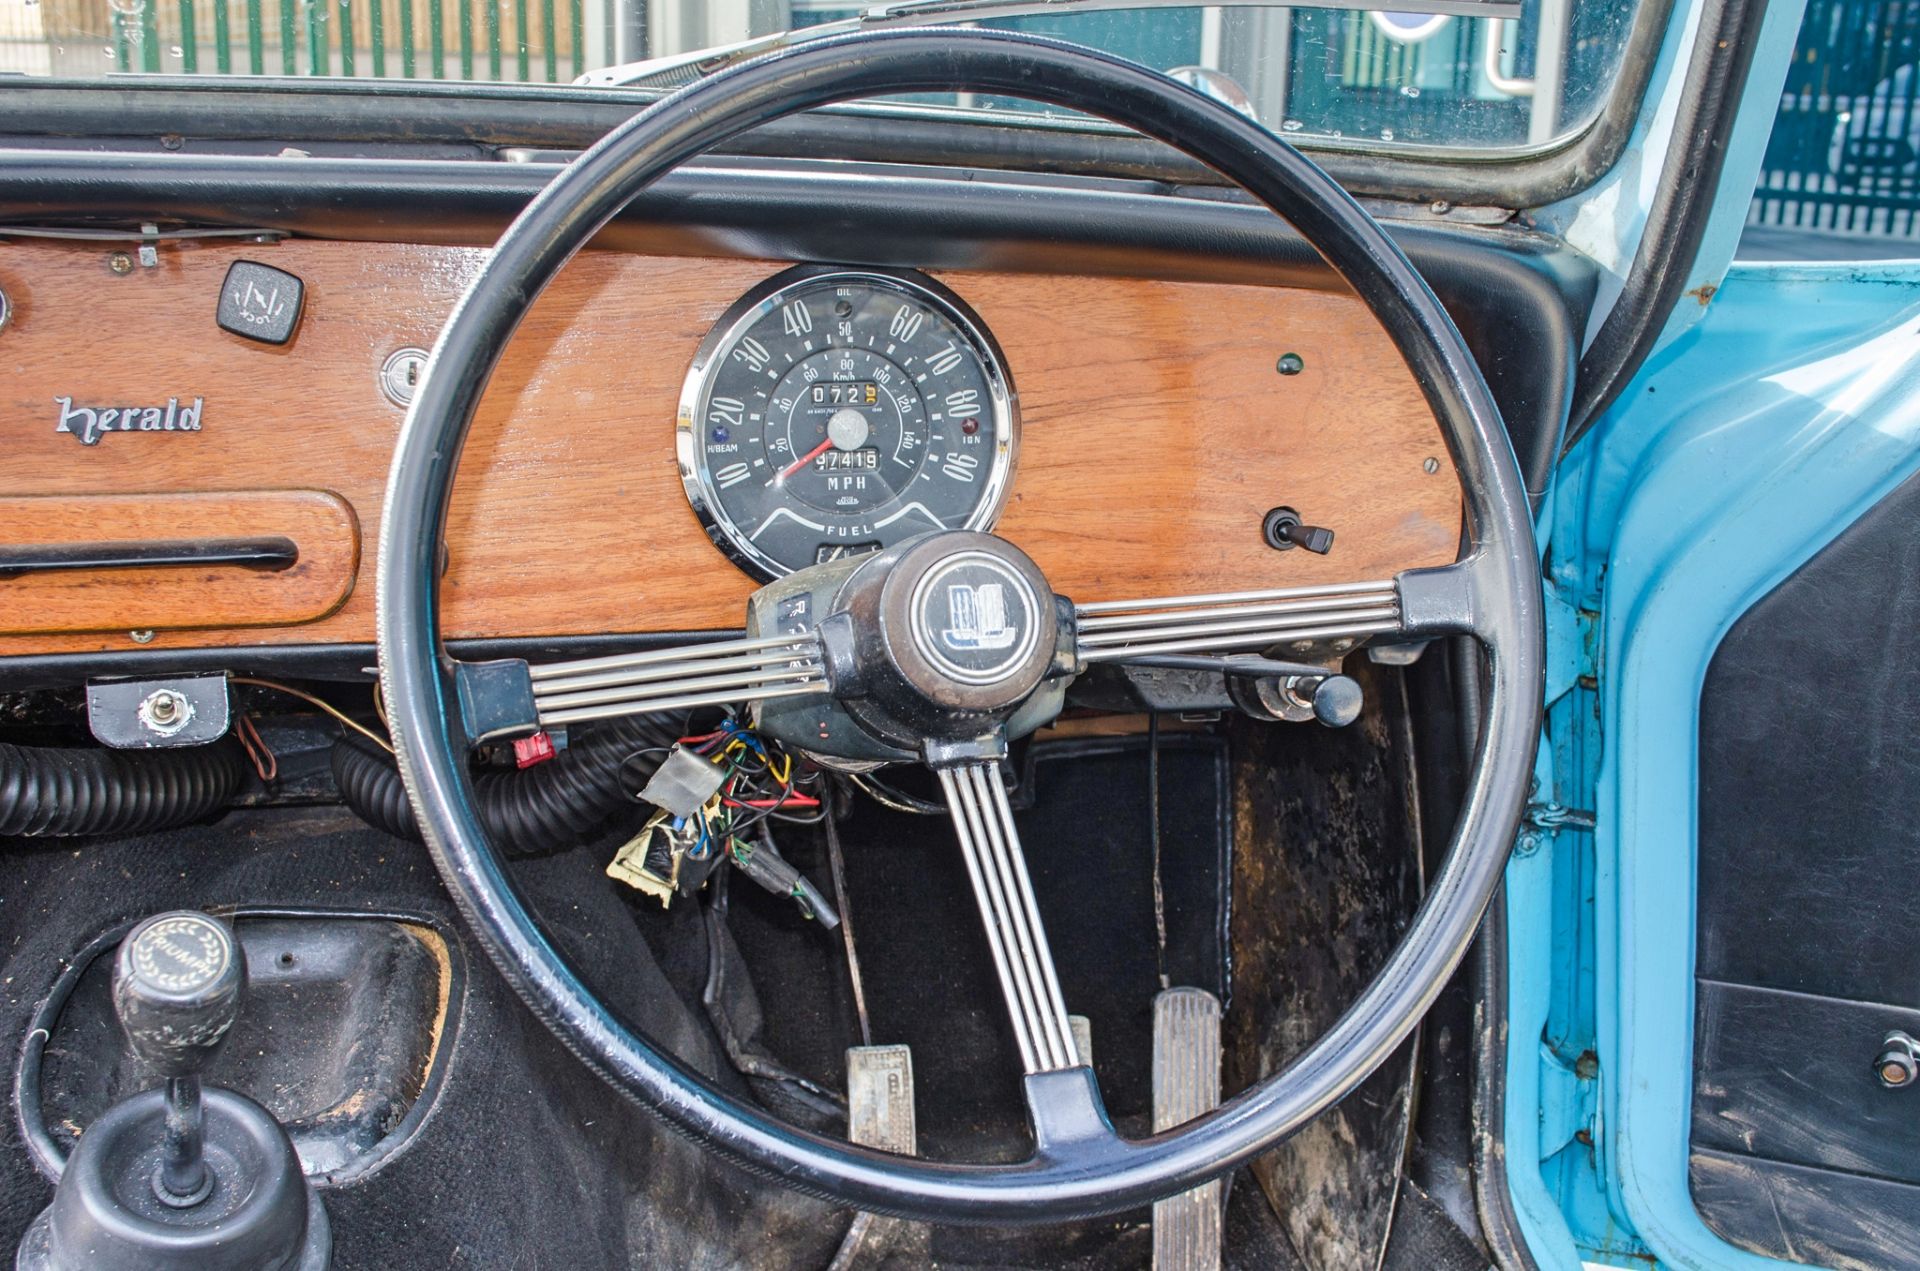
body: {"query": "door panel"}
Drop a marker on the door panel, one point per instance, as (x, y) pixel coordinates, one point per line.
(1732, 552)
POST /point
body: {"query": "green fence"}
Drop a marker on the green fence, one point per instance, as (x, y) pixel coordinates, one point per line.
(525, 40)
(1845, 151)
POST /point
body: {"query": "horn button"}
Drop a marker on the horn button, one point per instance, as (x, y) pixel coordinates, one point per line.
(941, 639)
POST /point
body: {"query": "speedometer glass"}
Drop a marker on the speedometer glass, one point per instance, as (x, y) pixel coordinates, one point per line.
(837, 411)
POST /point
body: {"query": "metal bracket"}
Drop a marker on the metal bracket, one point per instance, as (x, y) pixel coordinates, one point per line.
(188, 710)
(1541, 821)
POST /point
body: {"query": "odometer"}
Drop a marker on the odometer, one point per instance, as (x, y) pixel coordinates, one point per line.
(835, 409)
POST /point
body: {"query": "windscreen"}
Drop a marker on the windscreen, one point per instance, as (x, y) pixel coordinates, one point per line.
(1486, 74)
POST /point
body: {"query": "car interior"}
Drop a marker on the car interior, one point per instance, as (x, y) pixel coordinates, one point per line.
(918, 638)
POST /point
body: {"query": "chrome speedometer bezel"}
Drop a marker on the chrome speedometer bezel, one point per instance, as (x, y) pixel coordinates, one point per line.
(695, 477)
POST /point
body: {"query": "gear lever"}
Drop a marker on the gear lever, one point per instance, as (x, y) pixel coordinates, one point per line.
(181, 1178)
(176, 988)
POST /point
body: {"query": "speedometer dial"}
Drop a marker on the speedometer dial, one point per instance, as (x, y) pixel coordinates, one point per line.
(837, 411)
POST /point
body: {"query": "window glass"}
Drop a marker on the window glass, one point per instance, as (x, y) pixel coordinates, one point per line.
(1379, 78)
(1841, 178)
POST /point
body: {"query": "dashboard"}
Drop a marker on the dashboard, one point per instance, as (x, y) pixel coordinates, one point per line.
(666, 431)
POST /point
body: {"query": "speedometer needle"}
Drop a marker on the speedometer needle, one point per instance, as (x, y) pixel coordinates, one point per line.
(805, 459)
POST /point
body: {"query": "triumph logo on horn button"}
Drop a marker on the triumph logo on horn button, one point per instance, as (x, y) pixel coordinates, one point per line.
(978, 612)
(975, 618)
(91, 423)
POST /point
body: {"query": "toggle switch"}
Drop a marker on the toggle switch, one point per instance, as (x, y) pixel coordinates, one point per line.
(259, 302)
(1283, 529)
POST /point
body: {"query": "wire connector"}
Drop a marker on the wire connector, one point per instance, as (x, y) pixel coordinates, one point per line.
(684, 782)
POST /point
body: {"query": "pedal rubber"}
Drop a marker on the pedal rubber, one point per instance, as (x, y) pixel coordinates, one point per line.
(1186, 1082)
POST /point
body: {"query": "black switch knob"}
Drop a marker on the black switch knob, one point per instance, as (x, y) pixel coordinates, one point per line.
(177, 984)
(1283, 529)
(1337, 701)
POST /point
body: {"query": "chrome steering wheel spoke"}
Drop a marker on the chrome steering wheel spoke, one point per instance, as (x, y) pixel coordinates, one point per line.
(997, 868)
(718, 674)
(1223, 622)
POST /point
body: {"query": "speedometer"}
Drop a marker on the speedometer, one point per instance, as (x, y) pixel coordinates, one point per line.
(837, 411)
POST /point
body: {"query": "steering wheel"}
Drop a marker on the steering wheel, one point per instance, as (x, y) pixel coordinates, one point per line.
(871, 661)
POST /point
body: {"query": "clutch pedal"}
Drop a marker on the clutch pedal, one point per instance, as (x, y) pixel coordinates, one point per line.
(1186, 1083)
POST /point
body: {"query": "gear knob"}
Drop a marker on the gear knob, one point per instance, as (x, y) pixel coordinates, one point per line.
(177, 984)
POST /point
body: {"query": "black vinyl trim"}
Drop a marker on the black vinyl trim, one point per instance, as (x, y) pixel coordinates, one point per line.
(344, 662)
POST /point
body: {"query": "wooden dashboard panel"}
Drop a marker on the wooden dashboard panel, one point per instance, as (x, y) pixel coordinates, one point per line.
(320, 528)
(1155, 430)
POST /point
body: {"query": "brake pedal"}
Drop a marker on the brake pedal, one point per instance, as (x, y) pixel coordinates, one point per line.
(1186, 1083)
(880, 1115)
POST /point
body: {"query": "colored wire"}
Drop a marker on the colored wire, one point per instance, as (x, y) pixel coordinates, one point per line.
(898, 800)
(327, 707)
(265, 763)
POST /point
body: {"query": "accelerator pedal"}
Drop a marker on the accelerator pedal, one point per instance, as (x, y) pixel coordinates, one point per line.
(880, 1115)
(1186, 1083)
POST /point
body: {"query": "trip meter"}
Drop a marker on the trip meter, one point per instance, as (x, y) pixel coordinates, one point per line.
(833, 411)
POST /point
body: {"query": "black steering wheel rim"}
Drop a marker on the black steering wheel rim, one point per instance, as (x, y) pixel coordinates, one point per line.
(1497, 599)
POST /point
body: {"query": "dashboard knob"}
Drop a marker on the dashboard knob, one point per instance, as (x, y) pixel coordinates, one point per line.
(1337, 701)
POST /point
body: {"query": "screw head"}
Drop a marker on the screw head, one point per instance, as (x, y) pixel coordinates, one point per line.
(1431, 466)
(120, 263)
(140, 637)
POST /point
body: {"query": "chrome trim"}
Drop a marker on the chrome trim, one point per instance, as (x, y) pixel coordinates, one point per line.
(654, 657)
(769, 296)
(676, 679)
(1249, 640)
(1229, 597)
(688, 702)
(1279, 624)
(1114, 630)
(996, 866)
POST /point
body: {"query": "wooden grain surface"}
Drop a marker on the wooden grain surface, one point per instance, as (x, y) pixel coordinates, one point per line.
(1155, 431)
(321, 526)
